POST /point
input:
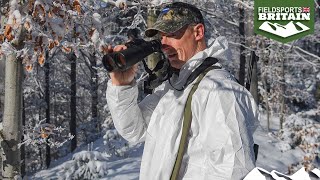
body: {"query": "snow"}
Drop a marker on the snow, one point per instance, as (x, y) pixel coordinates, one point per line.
(274, 155)
(98, 163)
(112, 158)
(270, 157)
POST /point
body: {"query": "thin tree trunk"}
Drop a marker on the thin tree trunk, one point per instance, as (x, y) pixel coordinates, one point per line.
(154, 58)
(254, 77)
(12, 117)
(47, 99)
(266, 99)
(23, 149)
(242, 70)
(94, 91)
(73, 102)
(282, 100)
(318, 9)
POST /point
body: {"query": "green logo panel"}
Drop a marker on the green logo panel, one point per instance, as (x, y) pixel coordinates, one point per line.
(284, 20)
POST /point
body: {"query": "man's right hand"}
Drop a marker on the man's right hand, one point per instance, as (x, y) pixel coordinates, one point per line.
(122, 78)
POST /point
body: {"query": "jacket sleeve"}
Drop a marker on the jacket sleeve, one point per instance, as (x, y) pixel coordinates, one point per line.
(227, 116)
(130, 118)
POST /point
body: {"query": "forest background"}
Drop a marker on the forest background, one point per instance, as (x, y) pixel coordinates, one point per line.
(52, 82)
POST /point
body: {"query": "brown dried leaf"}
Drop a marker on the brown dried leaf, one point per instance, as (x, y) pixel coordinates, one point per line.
(122, 5)
(91, 32)
(39, 41)
(78, 9)
(29, 67)
(8, 33)
(42, 9)
(76, 3)
(43, 133)
(1, 38)
(66, 2)
(41, 59)
(66, 49)
(27, 26)
(56, 10)
(30, 5)
(35, 13)
(56, 42)
(7, 30)
(39, 9)
(104, 49)
(76, 6)
(50, 14)
(28, 37)
(51, 44)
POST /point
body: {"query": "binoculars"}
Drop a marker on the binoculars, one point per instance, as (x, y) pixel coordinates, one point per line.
(137, 50)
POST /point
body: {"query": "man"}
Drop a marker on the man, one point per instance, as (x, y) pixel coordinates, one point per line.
(219, 142)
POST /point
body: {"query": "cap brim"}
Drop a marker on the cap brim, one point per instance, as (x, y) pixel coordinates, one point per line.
(163, 26)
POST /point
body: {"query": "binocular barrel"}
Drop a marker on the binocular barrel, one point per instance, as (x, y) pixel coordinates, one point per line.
(125, 59)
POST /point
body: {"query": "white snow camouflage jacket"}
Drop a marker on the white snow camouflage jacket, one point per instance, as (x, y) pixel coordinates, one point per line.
(224, 116)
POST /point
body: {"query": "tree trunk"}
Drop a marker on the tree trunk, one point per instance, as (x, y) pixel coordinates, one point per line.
(23, 149)
(154, 58)
(252, 73)
(47, 99)
(94, 92)
(12, 117)
(266, 98)
(318, 9)
(73, 102)
(242, 70)
(282, 99)
(254, 77)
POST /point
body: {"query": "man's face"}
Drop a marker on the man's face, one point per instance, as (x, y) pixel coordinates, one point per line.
(179, 46)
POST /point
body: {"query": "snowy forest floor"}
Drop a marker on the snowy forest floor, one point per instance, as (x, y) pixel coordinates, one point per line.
(269, 157)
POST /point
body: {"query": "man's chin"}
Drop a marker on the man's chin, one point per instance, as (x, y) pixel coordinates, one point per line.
(175, 64)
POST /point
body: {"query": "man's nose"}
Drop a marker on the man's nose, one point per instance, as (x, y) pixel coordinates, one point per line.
(164, 42)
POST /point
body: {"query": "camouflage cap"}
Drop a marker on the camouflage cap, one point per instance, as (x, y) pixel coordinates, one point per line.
(175, 16)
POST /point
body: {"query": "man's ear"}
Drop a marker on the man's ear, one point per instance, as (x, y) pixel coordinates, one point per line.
(198, 31)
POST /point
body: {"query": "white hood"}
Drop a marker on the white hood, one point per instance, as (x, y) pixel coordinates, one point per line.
(218, 49)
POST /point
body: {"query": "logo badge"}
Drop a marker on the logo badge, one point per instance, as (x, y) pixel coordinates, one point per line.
(284, 20)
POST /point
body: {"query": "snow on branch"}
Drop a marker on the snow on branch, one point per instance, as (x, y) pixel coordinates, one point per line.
(243, 4)
(303, 58)
(305, 52)
(45, 133)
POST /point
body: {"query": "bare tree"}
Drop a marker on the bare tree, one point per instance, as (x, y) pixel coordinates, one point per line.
(242, 70)
(12, 118)
(73, 102)
(47, 99)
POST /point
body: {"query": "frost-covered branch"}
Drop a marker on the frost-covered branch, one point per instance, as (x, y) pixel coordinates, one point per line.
(305, 52)
(303, 58)
(244, 4)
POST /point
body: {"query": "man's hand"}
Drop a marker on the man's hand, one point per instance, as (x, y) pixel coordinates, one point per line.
(122, 78)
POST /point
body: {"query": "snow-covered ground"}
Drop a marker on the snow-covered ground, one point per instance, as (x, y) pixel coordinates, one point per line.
(270, 156)
(83, 162)
(125, 168)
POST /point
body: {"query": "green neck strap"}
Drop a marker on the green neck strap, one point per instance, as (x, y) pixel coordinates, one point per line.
(187, 124)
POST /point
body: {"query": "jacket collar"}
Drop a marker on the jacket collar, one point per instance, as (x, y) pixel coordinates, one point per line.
(218, 49)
